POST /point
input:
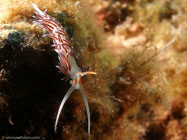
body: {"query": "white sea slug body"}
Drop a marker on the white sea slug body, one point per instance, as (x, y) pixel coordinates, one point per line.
(67, 63)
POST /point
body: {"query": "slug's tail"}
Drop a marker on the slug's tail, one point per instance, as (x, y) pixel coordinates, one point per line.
(62, 104)
(38, 11)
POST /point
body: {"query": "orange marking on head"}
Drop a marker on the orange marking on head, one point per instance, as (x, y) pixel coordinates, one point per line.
(1, 28)
(79, 73)
(75, 81)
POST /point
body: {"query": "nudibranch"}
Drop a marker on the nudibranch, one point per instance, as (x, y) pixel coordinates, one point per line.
(66, 56)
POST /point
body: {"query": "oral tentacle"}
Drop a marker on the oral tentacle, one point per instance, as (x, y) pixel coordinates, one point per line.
(83, 93)
(62, 104)
(88, 72)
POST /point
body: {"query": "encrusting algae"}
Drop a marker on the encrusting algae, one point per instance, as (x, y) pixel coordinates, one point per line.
(139, 91)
